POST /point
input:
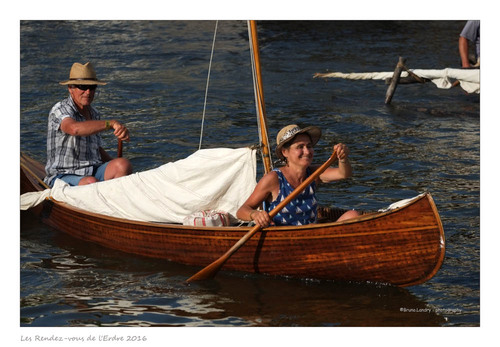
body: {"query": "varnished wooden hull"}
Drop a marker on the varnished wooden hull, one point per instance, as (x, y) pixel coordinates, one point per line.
(403, 247)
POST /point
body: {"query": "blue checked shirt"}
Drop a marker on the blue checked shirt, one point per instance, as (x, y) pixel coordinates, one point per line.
(68, 154)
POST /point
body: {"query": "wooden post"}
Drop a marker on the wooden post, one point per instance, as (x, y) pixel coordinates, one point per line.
(412, 75)
(395, 78)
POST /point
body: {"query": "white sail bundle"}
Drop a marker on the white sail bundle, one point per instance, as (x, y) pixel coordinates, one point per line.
(469, 78)
(209, 179)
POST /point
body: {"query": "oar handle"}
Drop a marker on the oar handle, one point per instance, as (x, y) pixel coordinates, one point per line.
(212, 269)
(120, 148)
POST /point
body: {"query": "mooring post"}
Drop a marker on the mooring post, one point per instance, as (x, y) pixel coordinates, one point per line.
(395, 78)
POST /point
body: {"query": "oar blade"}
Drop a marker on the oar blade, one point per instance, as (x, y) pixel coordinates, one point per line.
(208, 272)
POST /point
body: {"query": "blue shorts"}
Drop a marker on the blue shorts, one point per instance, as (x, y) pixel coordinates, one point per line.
(73, 180)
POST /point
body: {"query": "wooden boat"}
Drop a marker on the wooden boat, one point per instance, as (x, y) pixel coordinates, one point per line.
(405, 246)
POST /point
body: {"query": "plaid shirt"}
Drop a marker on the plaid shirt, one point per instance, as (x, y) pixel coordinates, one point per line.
(68, 154)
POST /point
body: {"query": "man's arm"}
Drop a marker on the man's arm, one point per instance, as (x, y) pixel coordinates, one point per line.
(91, 127)
(463, 48)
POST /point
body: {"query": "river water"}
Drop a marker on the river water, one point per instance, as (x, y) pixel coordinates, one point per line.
(426, 140)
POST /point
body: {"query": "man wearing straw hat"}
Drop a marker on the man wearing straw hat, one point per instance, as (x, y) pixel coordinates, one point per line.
(74, 152)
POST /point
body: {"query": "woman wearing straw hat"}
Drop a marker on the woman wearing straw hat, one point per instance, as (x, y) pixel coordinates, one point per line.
(295, 148)
(74, 152)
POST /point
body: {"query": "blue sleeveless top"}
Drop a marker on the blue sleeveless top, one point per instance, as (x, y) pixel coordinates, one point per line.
(301, 210)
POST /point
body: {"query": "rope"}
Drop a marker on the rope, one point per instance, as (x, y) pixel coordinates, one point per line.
(206, 88)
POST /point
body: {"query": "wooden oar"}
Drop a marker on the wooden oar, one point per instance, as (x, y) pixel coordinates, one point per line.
(120, 148)
(212, 269)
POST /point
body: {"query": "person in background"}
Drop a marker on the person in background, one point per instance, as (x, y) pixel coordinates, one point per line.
(295, 148)
(469, 34)
(74, 152)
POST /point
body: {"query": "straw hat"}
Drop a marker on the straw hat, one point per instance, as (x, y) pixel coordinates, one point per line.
(289, 132)
(82, 74)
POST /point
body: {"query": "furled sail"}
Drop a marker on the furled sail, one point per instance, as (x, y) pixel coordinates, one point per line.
(444, 79)
(209, 179)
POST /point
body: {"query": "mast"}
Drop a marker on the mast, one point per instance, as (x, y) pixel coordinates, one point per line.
(259, 96)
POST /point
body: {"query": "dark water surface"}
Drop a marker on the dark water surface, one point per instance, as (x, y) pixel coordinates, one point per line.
(426, 140)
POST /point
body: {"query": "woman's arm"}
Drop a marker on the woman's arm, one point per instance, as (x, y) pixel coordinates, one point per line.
(343, 171)
(268, 185)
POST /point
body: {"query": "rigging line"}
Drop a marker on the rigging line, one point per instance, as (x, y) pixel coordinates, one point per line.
(206, 88)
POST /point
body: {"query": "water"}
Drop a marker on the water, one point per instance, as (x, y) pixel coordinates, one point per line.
(426, 140)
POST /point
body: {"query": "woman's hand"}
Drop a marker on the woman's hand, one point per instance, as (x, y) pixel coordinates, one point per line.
(261, 218)
(343, 171)
(342, 152)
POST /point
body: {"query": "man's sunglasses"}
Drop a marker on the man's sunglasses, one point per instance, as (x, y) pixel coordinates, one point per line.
(85, 86)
